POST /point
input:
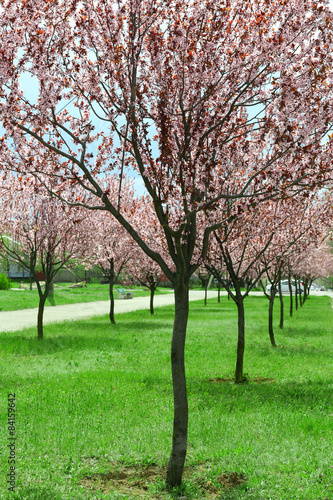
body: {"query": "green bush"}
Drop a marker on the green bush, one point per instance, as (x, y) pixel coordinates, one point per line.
(4, 282)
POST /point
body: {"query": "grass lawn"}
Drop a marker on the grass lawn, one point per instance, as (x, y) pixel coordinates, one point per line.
(94, 410)
(11, 300)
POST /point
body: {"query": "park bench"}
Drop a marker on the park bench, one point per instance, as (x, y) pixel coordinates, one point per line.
(123, 294)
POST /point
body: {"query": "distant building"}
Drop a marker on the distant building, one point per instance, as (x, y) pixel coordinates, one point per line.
(14, 271)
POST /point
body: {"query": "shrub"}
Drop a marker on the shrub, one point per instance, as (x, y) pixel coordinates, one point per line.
(4, 282)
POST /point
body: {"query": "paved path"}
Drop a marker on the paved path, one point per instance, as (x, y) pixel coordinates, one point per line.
(17, 320)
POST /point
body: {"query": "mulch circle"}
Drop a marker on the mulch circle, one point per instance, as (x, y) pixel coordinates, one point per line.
(135, 481)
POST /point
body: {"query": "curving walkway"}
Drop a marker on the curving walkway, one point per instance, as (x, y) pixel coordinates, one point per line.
(17, 320)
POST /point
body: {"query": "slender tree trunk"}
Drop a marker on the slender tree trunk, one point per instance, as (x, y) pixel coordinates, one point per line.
(296, 296)
(180, 423)
(42, 299)
(298, 292)
(291, 297)
(309, 287)
(51, 292)
(8, 272)
(281, 306)
(206, 289)
(219, 292)
(306, 292)
(270, 317)
(152, 292)
(111, 314)
(111, 283)
(239, 377)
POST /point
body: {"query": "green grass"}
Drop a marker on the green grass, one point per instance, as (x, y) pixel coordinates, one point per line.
(11, 300)
(93, 396)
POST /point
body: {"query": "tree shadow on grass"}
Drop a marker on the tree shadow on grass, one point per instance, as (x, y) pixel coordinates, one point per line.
(76, 336)
(300, 396)
(290, 350)
(310, 330)
(196, 311)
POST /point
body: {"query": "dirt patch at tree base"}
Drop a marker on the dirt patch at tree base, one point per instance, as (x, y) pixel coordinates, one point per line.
(135, 481)
(258, 380)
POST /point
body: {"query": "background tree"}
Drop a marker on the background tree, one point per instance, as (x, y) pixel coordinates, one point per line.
(303, 221)
(237, 248)
(40, 233)
(146, 272)
(112, 245)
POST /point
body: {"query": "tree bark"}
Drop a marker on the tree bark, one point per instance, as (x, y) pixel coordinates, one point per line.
(42, 299)
(152, 292)
(219, 292)
(306, 292)
(281, 306)
(298, 282)
(296, 296)
(291, 297)
(51, 291)
(180, 423)
(111, 314)
(239, 376)
(270, 316)
(111, 283)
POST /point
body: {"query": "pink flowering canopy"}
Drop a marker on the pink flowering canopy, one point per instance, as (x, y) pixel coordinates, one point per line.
(207, 100)
(40, 229)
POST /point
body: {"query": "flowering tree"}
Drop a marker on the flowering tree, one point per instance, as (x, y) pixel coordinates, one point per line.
(317, 262)
(141, 267)
(206, 101)
(147, 272)
(304, 221)
(233, 258)
(112, 246)
(39, 232)
(113, 250)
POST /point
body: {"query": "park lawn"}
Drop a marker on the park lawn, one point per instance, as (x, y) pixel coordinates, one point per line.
(11, 300)
(94, 398)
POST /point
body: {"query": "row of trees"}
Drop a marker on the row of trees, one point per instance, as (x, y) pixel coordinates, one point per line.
(278, 239)
(219, 106)
(42, 233)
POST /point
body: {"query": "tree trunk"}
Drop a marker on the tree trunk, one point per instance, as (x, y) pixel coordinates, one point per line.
(51, 293)
(298, 290)
(241, 340)
(306, 292)
(111, 283)
(180, 423)
(42, 299)
(281, 305)
(219, 293)
(296, 296)
(270, 317)
(111, 315)
(206, 289)
(291, 297)
(152, 292)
